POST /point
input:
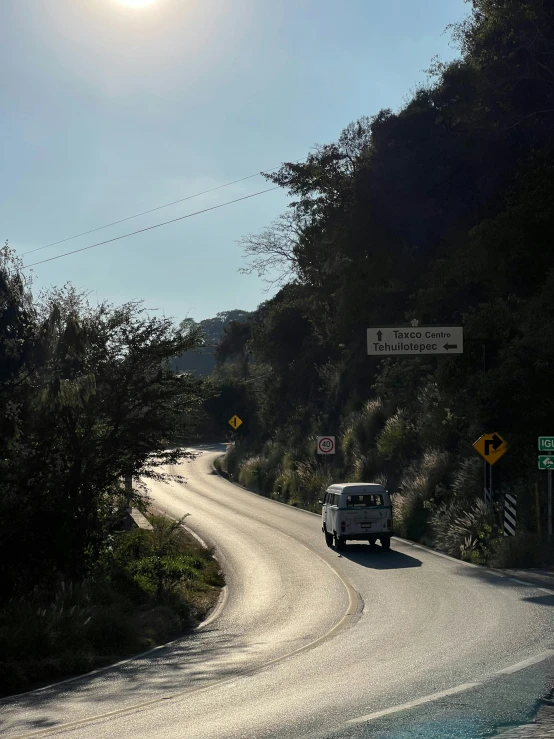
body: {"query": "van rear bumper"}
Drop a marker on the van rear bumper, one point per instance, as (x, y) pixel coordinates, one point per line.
(365, 537)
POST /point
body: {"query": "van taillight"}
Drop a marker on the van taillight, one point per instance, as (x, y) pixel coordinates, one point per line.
(342, 526)
(389, 523)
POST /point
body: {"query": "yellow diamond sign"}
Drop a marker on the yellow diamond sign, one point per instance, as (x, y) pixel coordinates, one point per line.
(491, 447)
(235, 422)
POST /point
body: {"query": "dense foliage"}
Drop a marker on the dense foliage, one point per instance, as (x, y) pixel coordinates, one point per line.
(87, 397)
(154, 584)
(442, 213)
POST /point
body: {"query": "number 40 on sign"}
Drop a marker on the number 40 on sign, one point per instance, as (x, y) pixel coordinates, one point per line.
(325, 444)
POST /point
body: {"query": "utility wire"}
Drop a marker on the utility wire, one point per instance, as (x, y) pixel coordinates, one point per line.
(152, 210)
(149, 228)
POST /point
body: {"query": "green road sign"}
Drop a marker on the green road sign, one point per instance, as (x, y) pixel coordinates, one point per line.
(546, 462)
(546, 443)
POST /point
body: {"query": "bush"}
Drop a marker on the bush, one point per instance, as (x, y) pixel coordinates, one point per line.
(151, 586)
(467, 483)
(465, 531)
(429, 477)
(232, 460)
(397, 441)
(349, 443)
(365, 468)
(371, 421)
(523, 550)
(410, 517)
(436, 423)
(421, 484)
(285, 487)
(253, 474)
(313, 480)
(358, 433)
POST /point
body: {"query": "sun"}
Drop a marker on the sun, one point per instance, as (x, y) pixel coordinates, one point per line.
(136, 3)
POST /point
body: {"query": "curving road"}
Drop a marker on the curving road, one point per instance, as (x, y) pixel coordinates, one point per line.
(307, 643)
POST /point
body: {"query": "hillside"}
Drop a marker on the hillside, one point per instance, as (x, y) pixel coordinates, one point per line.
(202, 361)
(442, 212)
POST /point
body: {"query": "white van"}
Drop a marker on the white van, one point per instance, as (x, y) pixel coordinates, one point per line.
(358, 511)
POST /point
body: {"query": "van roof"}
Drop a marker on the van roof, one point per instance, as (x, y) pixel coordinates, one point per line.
(343, 485)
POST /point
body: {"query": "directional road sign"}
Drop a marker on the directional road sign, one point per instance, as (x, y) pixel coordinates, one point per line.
(546, 462)
(491, 447)
(546, 443)
(235, 422)
(384, 341)
(325, 444)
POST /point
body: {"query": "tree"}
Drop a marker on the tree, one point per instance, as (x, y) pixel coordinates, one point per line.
(93, 400)
(202, 360)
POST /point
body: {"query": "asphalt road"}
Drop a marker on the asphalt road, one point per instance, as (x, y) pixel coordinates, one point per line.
(310, 644)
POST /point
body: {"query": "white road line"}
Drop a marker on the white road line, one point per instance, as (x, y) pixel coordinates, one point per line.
(526, 663)
(413, 704)
(355, 604)
(453, 691)
(495, 573)
(481, 568)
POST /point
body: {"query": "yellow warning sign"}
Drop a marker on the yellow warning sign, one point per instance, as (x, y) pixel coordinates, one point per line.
(235, 422)
(491, 447)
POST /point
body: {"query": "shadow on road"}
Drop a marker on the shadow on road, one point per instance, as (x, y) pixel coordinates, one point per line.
(542, 600)
(509, 584)
(195, 660)
(377, 559)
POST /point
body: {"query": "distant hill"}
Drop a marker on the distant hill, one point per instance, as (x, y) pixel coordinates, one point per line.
(202, 361)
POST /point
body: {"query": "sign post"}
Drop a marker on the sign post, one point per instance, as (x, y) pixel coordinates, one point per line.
(326, 446)
(546, 444)
(491, 447)
(549, 501)
(387, 341)
(235, 422)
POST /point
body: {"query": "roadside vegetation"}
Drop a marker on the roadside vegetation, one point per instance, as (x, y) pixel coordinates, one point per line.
(88, 398)
(147, 588)
(440, 213)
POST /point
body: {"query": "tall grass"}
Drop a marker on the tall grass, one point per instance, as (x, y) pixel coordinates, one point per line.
(358, 434)
(468, 479)
(313, 479)
(254, 473)
(465, 530)
(422, 483)
(398, 440)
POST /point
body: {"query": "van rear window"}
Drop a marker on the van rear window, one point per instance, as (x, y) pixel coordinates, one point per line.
(362, 501)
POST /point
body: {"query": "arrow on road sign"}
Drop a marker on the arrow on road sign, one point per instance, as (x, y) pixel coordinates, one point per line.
(496, 442)
(491, 447)
(235, 422)
(387, 341)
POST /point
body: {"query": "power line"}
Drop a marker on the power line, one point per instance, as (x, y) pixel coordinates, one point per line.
(149, 228)
(152, 210)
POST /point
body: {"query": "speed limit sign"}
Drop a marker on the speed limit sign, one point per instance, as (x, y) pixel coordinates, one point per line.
(325, 444)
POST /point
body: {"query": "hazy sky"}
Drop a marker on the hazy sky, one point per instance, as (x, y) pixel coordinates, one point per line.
(110, 110)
